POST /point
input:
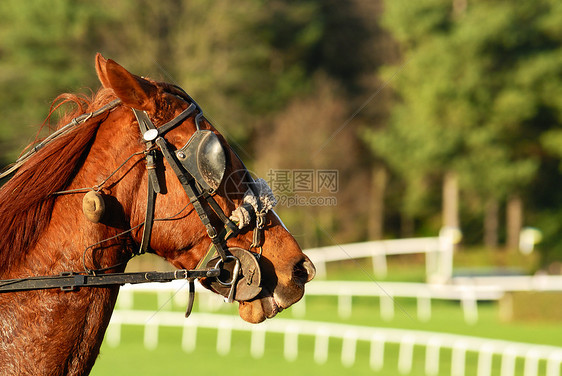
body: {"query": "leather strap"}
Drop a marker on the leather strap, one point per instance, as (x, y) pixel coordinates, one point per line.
(153, 187)
(149, 218)
(195, 197)
(163, 129)
(72, 281)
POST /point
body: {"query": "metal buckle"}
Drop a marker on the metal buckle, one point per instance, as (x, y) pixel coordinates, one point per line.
(236, 272)
(244, 283)
(181, 274)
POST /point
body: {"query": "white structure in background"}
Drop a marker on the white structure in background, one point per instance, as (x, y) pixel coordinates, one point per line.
(466, 290)
(528, 238)
(433, 343)
(345, 291)
(438, 252)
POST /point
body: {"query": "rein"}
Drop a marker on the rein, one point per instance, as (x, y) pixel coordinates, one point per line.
(199, 166)
(59, 132)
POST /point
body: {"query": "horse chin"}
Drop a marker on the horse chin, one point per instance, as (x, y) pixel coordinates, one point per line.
(257, 310)
(267, 305)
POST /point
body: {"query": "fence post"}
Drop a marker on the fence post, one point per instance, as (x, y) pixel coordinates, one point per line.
(447, 239)
(189, 336)
(164, 300)
(380, 269)
(458, 359)
(291, 346)
(224, 336)
(257, 343)
(406, 354)
(387, 306)
(432, 357)
(321, 344)
(179, 295)
(424, 306)
(531, 363)
(348, 348)
(553, 364)
(151, 334)
(376, 359)
(508, 362)
(485, 360)
(469, 307)
(113, 335)
(344, 304)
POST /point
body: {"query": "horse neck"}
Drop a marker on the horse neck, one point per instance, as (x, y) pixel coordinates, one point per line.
(66, 328)
(66, 242)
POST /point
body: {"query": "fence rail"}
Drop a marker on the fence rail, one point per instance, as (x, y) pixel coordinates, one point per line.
(467, 291)
(467, 295)
(438, 252)
(349, 335)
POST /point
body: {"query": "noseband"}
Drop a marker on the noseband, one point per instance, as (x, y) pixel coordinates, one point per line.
(200, 167)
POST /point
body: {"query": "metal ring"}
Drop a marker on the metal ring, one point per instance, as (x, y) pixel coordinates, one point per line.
(218, 266)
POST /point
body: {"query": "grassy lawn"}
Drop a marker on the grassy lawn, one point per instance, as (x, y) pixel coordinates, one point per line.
(130, 357)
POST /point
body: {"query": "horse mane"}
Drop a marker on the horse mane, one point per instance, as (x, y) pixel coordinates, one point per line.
(27, 200)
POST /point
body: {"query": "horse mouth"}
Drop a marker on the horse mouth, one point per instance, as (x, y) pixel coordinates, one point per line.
(257, 310)
(266, 306)
(270, 307)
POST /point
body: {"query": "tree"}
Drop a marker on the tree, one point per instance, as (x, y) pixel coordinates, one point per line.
(466, 99)
(46, 49)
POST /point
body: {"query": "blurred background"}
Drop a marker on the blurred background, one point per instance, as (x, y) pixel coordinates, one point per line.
(433, 113)
(371, 119)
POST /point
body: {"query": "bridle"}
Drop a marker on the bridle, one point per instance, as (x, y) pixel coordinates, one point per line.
(200, 166)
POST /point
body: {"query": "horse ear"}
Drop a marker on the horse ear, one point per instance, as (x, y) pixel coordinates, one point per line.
(100, 70)
(134, 91)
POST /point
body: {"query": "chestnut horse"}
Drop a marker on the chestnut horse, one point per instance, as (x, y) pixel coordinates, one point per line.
(44, 232)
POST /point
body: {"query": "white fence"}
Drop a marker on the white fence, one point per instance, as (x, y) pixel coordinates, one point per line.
(467, 295)
(537, 282)
(467, 291)
(344, 291)
(438, 252)
(349, 335)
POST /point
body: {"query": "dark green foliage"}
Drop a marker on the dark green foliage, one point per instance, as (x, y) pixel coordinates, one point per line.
(477, 86)
(479, 93)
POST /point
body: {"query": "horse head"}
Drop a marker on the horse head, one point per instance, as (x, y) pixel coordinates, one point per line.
(209, 212)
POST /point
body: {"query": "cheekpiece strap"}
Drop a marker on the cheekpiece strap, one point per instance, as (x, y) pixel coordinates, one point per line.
(149, 133)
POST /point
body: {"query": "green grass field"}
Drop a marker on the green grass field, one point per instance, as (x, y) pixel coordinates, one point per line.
(130, 357)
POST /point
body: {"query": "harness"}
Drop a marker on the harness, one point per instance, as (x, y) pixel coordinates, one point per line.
(200, 166)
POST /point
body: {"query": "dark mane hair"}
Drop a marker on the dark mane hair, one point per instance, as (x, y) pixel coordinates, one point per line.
(26, 200)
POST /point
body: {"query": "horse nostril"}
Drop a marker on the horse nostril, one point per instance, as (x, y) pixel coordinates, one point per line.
(303, 271)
